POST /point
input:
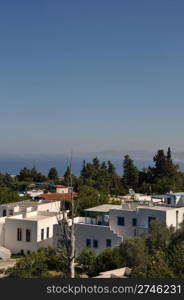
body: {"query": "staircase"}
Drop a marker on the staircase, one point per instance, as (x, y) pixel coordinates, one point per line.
(119, 237)
(4, 253)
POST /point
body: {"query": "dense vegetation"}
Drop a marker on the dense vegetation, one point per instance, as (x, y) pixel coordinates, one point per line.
(39, 264)
(98, 179)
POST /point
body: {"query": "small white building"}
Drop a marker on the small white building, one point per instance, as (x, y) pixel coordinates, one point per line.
(61, 189)
(173, 199)
(34, 193)
(14, 208)
(27, 233)
(27, 226)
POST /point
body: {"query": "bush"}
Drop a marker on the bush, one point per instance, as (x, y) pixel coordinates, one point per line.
(134, 252)
(87, 260)
(109, 259)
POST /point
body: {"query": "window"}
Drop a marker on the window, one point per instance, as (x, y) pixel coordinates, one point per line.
(177, 214)
(134, 222)
(169, 200)
(121, 221)
(88, 243)
(47, 232)
(22, 252)
(42, 234)
(4, 212)
(28, 252)
(150, 219)
(108, 243)
(28, 235)
(11, 212)
(19, 234)
(95, 244)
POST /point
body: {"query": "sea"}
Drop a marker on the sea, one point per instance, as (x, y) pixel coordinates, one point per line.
(12, 165)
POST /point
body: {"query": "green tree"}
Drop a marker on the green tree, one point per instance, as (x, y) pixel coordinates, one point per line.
(155, 267)
(165, 172)
(160, 160)
(30, 175)
(30, 266)
(53, 174)
(131, 173)
(159, 237)
(89, 197)
(38, 264)
(87, 260)
(134, 251)
(176, 259)
(7, 196)
(109, 259)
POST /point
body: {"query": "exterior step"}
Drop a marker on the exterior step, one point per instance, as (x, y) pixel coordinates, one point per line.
(4, 253)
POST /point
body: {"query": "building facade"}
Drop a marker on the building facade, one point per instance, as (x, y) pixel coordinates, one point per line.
(27, 226)
(124, 221)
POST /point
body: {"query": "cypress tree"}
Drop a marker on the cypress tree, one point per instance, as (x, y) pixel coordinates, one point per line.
(131, 173)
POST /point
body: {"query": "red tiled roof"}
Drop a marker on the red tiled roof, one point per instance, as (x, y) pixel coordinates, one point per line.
(58, 196)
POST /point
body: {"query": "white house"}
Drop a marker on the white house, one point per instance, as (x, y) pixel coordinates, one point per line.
(24, 234)
(27, 226)
(173, 199)
(61, 189)
(14, 208)
(107, 225)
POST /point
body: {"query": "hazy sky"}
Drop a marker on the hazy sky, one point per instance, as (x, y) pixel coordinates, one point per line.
(91, 75)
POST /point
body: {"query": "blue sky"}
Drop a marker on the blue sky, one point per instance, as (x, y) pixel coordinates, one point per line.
(91, 75)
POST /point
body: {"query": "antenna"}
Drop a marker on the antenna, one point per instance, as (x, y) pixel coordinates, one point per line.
(70, 169)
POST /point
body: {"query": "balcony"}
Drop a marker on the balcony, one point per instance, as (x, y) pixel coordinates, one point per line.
(99, 220)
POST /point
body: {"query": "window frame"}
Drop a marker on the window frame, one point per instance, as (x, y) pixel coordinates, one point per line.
(134, 222)
(95, 244)
(42, 234)
(28, 235)
(108, 245)
(119, 223)
(19, 234)
(88, 243)
(48, 232)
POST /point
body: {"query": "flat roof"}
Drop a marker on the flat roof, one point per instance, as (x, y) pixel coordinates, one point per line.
(159, 207)
(160, 196)
(26, 203)
(178, 193)
(104, 208)
(39, 216)
(129, 207)
(36, 218)
(168, 195)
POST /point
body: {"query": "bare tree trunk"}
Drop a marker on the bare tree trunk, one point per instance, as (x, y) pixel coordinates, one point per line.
(68, 233)
(72, 256)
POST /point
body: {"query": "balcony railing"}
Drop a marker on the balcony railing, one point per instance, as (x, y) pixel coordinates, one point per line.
(97, 221)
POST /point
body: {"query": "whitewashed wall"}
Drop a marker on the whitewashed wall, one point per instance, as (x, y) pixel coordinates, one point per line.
(95, 232)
